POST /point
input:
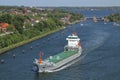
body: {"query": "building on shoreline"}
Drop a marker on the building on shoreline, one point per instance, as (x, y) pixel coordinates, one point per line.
(3, 26)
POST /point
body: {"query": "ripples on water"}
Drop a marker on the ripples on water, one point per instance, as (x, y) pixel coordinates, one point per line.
(99, 60)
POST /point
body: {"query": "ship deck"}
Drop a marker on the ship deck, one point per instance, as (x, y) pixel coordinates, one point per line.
(61, 56)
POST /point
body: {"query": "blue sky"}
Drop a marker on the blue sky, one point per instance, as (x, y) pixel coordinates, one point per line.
(76, 3)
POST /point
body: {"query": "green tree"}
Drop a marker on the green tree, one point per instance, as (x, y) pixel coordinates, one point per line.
(6, 18)
(10, 28)
(18, 27)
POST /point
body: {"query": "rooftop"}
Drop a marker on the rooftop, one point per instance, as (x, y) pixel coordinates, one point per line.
(3, 25)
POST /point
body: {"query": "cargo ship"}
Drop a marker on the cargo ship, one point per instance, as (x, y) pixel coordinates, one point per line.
(69, 56)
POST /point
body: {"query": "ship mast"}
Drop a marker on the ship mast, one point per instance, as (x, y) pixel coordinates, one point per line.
(40, 60)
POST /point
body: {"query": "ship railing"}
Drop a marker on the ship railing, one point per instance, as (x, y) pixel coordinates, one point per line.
(68, 48)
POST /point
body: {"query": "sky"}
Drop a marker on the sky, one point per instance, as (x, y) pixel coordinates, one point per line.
(58, 3)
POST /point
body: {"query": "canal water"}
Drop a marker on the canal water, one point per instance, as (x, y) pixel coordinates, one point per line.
(101, 49)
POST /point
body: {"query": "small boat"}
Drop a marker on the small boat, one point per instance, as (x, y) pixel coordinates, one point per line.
(81, 24)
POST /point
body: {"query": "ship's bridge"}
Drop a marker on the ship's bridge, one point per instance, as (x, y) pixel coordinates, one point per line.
(73, 40)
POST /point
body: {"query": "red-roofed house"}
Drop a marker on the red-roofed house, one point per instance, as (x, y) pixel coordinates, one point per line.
(3, 26)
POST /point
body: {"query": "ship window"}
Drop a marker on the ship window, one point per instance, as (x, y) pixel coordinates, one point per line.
(66, 49)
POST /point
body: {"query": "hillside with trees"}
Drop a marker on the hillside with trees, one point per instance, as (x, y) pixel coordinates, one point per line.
(26, 23)
(114, 17)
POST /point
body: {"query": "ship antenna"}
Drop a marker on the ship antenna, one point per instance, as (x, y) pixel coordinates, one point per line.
(74, 32)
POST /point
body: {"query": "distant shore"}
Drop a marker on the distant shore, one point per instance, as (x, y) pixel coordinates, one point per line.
(3, 50)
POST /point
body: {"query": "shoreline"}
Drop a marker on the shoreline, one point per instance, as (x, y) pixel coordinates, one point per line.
(6, 49)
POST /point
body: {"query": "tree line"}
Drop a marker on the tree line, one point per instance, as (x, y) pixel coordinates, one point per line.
(16, 23)
(114, 17)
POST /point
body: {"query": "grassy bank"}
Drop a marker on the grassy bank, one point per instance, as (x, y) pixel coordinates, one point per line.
(3, 50)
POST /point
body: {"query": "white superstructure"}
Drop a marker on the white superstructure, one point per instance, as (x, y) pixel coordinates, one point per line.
(73, 40)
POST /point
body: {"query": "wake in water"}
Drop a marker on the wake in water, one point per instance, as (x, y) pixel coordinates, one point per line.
(95, 41)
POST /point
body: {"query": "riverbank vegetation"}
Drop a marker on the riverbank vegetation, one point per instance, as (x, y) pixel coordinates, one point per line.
(114, 17)
(25, 23)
